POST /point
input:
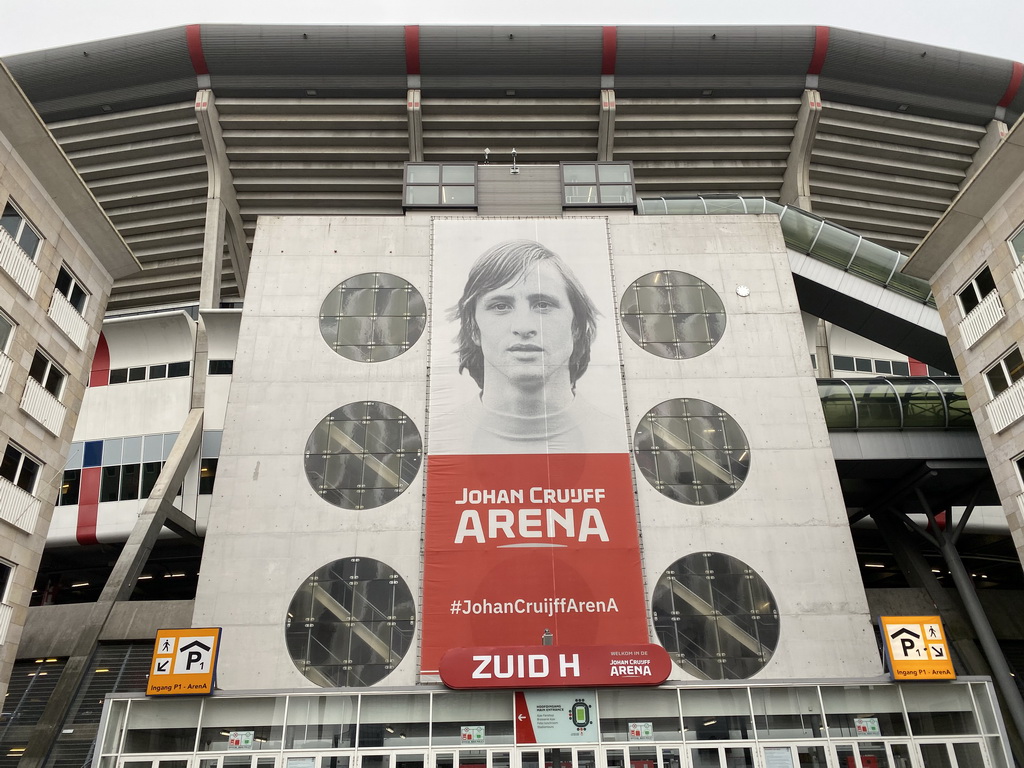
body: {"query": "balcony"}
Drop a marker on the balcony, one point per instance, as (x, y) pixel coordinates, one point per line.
(5, 371)
(18, 507)
(1007, 407)
(43, 407)
(981, 319)
(18, 265)
(68, 320)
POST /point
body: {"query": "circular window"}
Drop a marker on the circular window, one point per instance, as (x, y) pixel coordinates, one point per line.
(673, 314)
(363, 455)
(372, 317)
(691, 451)
(350, 623)
(715, 616)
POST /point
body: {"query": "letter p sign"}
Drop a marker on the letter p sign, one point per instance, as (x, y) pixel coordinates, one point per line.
(194, 657)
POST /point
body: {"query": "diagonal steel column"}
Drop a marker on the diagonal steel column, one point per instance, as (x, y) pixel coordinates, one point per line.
(120, 584)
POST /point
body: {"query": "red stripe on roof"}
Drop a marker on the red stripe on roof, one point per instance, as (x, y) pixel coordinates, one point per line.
(609, 45)
(195, 49)
(1014, 86)
(820, 49)
(412, 49)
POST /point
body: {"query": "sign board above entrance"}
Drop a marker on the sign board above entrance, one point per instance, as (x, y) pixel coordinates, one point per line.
(547, 666)
(184, 662)
(916, 648)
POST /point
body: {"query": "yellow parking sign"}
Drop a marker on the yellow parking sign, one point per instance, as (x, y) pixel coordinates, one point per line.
(184, 662)
(916, 648)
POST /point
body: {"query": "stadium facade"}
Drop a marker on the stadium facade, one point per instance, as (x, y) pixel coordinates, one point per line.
(469, 355)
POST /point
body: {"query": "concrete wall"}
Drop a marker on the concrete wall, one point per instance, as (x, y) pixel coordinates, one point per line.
(269, 530)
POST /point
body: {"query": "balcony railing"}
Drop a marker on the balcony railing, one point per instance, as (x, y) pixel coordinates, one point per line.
(16, 263)
(18, 507)
(1018, 278)
(981, 319)
(1007, 407)
(63, 313)
(43, 407)
(5, 371)
(5, 621)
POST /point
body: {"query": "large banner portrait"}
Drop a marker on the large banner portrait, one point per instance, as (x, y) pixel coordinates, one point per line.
(530, 518)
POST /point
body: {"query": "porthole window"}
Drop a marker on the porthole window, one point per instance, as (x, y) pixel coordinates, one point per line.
(363, 455)
(691, 451)
(672, 314)
(715, 616)
(350, 623)
(372, 317)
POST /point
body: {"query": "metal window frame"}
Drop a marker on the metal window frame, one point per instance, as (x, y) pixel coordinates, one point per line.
(23, 456)
(598, 184)
(972, 284)
(51, 365)
(439, 203)
(75, 281)
(1018, 232)
(25, 222)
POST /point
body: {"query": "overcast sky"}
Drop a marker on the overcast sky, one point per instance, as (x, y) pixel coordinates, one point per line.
(992, 27)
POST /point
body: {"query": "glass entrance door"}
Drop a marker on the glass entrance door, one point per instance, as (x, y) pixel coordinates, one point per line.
(558, 757)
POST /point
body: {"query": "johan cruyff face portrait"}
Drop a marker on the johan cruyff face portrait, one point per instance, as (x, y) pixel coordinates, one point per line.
(525, 317)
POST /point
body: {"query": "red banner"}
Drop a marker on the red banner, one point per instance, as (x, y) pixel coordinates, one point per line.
(548, 666)
(518, 546)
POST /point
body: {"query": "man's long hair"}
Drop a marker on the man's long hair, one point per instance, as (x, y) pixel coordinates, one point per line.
(508, 263)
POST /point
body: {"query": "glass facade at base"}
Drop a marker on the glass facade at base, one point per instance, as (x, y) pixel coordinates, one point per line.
(841, 724)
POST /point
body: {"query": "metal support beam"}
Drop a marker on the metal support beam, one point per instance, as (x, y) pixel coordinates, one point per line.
(119, 587)
(415, 112)
(221, 188)
(606, 128)
(1001, 673)
(796, 182)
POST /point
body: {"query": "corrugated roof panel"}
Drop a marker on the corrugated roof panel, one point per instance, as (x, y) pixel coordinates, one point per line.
(509, 53)
(938, 82)
(304, 50)
(764, 53)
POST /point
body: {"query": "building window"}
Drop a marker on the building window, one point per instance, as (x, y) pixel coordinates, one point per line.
(440, 185)
(6, 333)
(6, 574)
(980, 286)
(598, 184)
(221, 367)
(673, 315)
(69, 287)
(350, 623)
(20, 230)
(208, 456)
(363, 455)
(48, 374)
(691, 451)
(1017, 244)
(1005, 372)
(69, 487)
(372, 317)
(161, 371)
(20, 468)
(715, 616)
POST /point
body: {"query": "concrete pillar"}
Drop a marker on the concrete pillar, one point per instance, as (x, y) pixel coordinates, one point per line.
(796, 182)
(415, 112)
(213, 253)
(606, 128)
(995, 132)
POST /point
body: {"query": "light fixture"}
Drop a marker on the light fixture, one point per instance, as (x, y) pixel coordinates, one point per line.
(710, 722)
(873, 565)
(742, 291)
(510, 92)
(389, 729)
(903, 107)
(107, 108)
(706, 92)
(515, 168)
(311, 91)
(80, 584)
